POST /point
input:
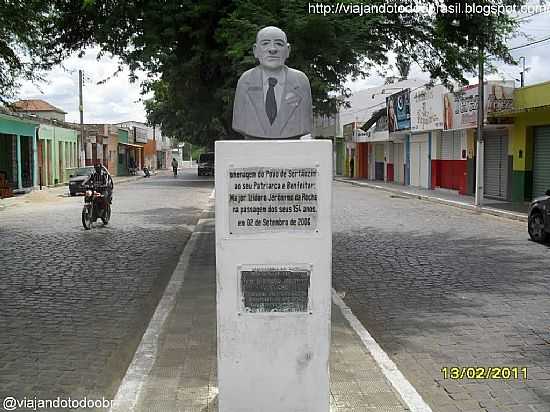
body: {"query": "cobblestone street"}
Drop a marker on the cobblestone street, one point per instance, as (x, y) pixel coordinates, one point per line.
(439, 287)
(75, 303)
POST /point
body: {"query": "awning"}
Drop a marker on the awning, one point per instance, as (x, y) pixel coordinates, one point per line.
(374, 118)
(379, 136)
(131, 145)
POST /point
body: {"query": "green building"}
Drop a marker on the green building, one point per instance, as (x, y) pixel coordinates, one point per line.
(57, 153)
(530, 146)
(18, 152)
(339, 148)
(122, 165)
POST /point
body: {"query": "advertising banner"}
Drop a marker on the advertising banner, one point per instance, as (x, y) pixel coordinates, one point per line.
(140, 135)
(461, 107)
(399, 111)
(499, 97)
(427, 108)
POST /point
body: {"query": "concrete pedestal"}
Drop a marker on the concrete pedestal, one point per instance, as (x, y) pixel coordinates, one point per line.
(273, 261)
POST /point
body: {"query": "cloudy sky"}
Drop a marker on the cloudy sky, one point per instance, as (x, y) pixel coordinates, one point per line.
(118, 100)
(537, 58)
(114, 101)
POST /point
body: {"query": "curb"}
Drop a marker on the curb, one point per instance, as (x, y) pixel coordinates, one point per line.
(461, 205)
(130, 388)
(406, 391)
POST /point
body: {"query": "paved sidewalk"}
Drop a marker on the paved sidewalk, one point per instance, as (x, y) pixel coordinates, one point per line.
(174, 368)
(510, 210)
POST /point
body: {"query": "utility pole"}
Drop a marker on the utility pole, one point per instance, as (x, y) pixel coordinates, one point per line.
(480, 141)
(522, 74)
(155, 158)
(82, 147)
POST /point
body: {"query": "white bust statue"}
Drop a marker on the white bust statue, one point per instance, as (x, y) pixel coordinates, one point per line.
(272, 101)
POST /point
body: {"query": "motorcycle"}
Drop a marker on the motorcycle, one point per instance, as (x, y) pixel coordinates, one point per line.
(96, 206)
(146, 172)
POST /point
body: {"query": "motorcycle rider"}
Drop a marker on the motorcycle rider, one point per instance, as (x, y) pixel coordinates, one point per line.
(102, 182)
(146, 172)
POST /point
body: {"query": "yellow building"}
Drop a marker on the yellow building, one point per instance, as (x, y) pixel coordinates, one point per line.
(530, 148)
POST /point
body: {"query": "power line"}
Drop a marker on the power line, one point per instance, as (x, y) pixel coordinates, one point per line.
(530, 15)
(384, 101)
(530, 44)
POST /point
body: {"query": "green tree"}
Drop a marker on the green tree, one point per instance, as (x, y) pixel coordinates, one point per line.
(26, 50)
(195, 50)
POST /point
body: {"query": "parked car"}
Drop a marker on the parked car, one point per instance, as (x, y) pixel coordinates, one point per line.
(79, 178)
(206, 164)
(538, 224)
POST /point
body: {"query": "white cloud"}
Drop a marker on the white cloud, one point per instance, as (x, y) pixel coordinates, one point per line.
(114, 101)
(537, 59)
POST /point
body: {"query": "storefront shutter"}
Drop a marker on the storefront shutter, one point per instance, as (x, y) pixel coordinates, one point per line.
(457, 144)
(496, 166)
(447, 145)
(451, 145)
(541, 164)
(398, 163)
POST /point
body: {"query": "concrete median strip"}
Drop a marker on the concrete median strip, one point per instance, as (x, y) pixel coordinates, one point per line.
(169, 373)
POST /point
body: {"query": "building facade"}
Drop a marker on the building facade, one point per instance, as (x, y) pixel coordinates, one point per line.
(439, 161)
(326, 127)
(374, 148)
(460, 123)
(529, 141)
(57, 153)
(18, 154)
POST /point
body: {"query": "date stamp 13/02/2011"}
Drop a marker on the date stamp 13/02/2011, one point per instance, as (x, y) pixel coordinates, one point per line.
(484, 372)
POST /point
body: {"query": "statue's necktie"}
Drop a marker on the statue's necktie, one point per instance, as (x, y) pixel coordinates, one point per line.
(270, 103)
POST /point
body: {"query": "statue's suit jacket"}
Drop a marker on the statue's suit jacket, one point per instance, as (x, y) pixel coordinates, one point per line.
(294, 117)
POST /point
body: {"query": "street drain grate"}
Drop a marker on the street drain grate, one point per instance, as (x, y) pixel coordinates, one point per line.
(399, 197)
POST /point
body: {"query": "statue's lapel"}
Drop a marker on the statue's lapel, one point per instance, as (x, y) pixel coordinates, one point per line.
(290, 101)
(256, 94)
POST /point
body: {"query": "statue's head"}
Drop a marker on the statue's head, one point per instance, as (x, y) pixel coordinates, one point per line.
(271, 48)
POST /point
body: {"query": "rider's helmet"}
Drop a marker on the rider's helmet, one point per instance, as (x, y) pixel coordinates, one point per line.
(97, 167)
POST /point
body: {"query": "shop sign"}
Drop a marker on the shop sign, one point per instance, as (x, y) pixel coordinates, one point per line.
(461, 107)
(427, 108)
(359, 135)
(500, 98)
(399, 111)
(140, 135)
